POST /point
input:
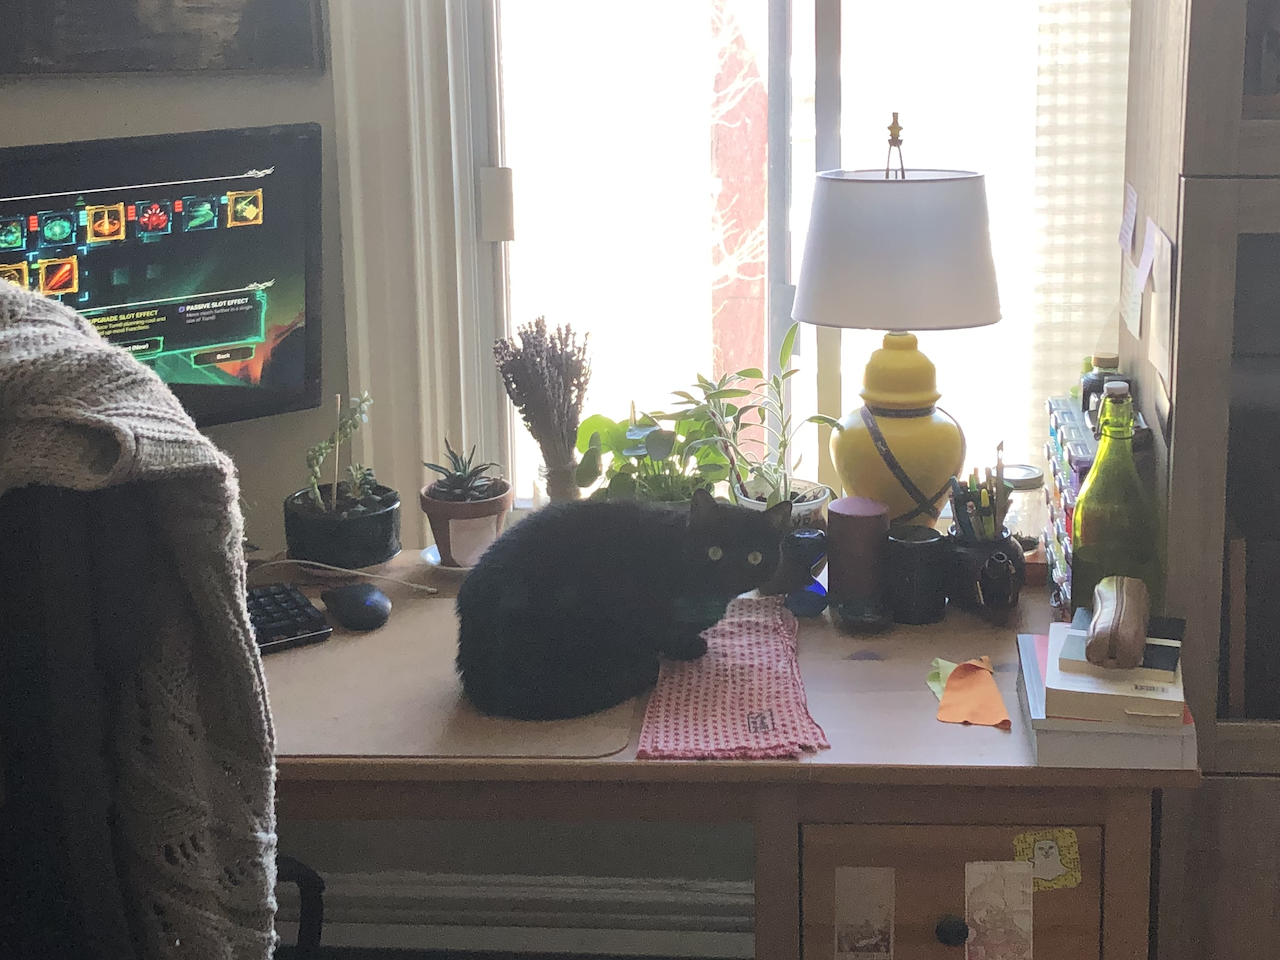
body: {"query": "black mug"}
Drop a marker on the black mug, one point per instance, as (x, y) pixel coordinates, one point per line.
(915, 587)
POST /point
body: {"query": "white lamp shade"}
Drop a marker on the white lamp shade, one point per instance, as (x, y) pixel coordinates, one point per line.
(898, 254)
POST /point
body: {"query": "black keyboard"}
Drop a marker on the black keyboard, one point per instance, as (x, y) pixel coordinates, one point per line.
(283, 617)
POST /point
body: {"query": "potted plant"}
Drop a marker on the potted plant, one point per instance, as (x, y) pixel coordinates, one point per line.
(345, 523)
(723, 413)
(466, 508)
(640, 460)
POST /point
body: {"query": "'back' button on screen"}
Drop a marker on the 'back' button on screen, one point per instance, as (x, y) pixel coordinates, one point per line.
(225, 355)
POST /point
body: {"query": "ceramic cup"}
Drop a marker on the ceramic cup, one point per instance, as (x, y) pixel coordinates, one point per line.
(986, 575)
(915, 589)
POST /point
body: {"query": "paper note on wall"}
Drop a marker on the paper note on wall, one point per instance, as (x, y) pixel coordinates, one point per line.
(1128, 219)
(864, 899)
(1147, 257)
(1130, 297)
(1160, 350)
(997, 907)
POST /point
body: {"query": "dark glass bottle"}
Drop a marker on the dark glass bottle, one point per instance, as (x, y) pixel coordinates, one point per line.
(1115, 530)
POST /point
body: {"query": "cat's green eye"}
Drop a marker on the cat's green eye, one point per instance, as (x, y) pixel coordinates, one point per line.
(715, 553)
(755, 557)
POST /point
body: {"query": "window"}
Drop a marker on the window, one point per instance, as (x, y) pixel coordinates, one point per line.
(637, 133)
(639, 136)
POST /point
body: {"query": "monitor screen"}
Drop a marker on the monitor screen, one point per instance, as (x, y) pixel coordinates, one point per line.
(198, 253)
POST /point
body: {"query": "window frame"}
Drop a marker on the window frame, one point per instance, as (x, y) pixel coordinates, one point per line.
(483, 278)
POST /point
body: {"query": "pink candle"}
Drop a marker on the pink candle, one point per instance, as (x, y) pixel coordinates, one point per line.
(856, 535)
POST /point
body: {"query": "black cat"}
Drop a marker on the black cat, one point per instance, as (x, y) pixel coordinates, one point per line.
(569, 611)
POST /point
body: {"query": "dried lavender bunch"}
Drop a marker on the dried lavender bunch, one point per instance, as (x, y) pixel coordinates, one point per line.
(546, 377)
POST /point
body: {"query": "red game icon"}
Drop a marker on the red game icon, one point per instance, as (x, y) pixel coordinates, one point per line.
(155, 217)
(59, 277)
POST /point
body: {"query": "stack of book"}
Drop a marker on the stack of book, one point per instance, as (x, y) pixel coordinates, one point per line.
(1081, 715)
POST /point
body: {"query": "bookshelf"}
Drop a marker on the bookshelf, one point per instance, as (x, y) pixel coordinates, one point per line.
(1203, 153)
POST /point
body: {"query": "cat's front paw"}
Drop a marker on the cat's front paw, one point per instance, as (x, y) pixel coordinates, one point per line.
(685, 648)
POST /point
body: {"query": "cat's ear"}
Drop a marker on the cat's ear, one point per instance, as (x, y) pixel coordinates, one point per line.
(702, 506)
(779, 516)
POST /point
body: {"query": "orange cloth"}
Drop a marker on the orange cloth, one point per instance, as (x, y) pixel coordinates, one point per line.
(971, 696)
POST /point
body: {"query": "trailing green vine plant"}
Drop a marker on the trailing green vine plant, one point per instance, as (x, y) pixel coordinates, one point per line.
(360, 477)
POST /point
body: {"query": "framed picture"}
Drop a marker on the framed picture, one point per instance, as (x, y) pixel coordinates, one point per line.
(159, 36)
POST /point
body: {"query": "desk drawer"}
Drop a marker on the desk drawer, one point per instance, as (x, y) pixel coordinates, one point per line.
(928, 883)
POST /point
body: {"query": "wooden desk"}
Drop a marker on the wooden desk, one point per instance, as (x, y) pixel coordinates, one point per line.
(897, 788)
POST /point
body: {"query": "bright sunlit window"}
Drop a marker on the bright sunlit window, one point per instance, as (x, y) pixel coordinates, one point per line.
(638, 137)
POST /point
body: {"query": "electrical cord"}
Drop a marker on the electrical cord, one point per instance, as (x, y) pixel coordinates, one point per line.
(425, 588)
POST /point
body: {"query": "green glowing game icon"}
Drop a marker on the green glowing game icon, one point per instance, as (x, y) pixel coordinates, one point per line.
(200, 214)
(57, 228)
(11, 237)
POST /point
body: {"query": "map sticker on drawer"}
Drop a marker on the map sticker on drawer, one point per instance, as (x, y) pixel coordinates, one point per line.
(997, 907)
(1054, 856)
(864, 913)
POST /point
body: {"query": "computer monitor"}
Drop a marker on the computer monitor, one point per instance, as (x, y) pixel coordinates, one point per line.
(199, 253)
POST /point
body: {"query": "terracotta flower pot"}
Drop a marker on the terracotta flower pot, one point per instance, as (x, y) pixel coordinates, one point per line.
(463, 529)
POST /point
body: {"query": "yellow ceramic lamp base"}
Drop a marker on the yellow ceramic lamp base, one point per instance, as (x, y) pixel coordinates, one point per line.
(899, 449)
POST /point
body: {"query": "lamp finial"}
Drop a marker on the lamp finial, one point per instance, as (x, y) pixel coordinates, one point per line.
(895, 143)
(895, 132)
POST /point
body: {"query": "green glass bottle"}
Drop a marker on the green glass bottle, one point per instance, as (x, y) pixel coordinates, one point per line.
(1115, 530)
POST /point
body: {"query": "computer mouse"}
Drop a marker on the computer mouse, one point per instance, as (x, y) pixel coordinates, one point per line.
(357, 606)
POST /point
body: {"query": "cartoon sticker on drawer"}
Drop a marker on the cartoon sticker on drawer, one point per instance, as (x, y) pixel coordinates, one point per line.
(1054, 855)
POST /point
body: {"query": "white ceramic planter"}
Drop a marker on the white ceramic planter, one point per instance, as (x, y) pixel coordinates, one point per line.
(804, 513)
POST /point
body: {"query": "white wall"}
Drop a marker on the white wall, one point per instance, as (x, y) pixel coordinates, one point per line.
(268, 452)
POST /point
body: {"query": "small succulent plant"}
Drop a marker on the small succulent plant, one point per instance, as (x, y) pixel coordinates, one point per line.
(361, 480)
(461, 481)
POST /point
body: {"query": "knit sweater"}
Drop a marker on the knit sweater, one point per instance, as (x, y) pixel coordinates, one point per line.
(191, 768)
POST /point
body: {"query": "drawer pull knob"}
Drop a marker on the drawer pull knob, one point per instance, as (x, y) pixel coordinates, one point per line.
(952, 931)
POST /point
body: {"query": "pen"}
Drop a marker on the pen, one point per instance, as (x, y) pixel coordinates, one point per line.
(988, 520)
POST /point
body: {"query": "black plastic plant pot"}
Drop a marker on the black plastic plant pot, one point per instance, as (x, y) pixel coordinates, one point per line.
(361, 538)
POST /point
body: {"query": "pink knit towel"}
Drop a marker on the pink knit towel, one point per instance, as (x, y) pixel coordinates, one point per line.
(743, 700)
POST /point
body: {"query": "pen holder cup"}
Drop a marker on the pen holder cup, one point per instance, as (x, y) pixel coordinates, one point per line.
(986, 576)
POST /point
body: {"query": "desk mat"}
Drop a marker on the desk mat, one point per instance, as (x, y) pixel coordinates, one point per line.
(393, 693)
